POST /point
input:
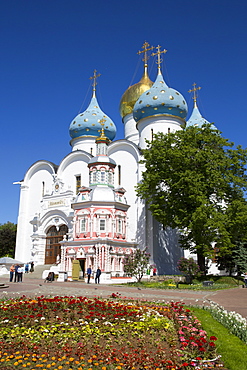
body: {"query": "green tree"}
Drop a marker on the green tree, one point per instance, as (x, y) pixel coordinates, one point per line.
(7, 239)
(136, 263)
(192, 178)
(236, 259)
(189, 268)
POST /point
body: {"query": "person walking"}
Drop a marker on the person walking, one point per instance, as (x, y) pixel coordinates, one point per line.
(32, 267)
(98, 273)
(11, 273)
(89, 272)
(26, 268)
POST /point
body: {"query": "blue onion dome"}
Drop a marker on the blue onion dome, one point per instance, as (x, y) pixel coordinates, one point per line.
(196, 118)
(88, 123)
(160, 100)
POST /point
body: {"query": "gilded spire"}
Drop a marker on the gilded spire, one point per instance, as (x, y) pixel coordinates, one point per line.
(94, 77)
(145, 48)
(102, 132)
(194, 93)
(159, 59)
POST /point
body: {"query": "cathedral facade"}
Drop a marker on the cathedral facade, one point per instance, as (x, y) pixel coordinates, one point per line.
(86, 208)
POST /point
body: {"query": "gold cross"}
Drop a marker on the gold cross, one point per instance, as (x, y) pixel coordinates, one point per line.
(95, 76)
(145, 50)
(159, 52)
(194, 91)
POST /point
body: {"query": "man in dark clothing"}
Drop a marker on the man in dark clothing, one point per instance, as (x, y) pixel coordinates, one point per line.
(98, 273)
(89, 272)
(16, 273)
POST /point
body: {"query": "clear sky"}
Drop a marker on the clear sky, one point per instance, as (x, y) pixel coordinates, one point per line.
(49, 49)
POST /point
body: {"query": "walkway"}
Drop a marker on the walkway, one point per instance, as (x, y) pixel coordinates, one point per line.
(231, 299)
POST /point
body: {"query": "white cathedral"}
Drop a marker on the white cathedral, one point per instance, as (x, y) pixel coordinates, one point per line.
(86, 207)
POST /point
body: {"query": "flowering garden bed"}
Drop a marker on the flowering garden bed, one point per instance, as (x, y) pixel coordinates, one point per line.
(104, 334)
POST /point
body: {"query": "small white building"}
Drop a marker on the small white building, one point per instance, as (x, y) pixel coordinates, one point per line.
(86, 207)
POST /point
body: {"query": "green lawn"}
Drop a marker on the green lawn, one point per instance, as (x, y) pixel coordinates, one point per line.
(231, 348)
(219, 282)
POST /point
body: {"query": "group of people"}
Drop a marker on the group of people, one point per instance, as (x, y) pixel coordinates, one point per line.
(16, 271)
(97, 275)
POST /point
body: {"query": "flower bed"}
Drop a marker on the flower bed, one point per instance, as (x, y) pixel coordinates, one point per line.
(233, 321)
(80, 333)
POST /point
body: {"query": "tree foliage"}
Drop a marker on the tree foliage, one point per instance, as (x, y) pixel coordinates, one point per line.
(189, 268)
(136, 263)
(195, 181)
(7, 239)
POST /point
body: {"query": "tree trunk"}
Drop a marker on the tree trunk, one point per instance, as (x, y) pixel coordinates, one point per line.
(201, 263)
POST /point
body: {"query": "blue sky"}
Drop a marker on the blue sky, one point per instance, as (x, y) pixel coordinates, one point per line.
(49, 49)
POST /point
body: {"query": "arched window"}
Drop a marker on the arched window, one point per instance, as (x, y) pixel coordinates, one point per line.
(53, 247)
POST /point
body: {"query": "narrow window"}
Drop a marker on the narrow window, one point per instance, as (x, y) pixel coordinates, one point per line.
(169, 130)
(43, 188)
(152, 134)
(119, 175)
(83, 225)
(102, 225)
(78, 183)
(119, 226)
(94, 176)
(110, 178)
(102, 176)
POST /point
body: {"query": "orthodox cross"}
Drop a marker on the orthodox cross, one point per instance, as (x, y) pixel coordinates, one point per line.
(95, 76)
(145, 48)
(159, 52)
(194, 92)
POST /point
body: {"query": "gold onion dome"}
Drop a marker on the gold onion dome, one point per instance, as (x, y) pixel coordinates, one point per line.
(133, 93)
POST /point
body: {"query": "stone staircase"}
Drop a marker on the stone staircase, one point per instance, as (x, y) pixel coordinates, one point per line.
(38, 271)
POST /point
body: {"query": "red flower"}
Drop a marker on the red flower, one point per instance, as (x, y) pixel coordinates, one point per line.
(213, 338)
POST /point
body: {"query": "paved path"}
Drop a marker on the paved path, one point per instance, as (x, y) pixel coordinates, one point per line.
(231, 299)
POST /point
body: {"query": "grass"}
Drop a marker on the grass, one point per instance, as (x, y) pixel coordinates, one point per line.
(232, 349)
(164, 282)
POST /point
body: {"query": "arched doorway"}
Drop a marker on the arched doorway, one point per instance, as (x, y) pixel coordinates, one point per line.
(53, 248)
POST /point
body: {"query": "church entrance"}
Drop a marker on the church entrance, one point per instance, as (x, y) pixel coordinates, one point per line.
(53, 248)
